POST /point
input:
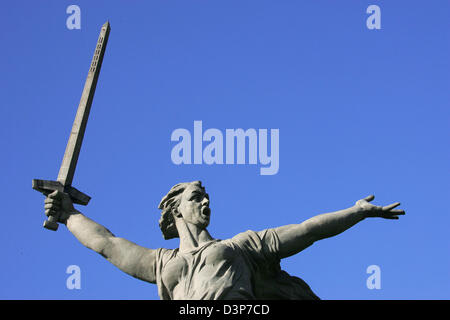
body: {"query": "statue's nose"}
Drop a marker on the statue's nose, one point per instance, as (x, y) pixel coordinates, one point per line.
(205, 201)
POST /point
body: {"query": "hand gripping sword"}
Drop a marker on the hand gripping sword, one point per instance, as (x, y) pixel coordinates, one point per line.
(66, 172)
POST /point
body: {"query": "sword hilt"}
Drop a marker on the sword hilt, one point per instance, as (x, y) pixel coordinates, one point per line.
(51, 223)
(47, 186)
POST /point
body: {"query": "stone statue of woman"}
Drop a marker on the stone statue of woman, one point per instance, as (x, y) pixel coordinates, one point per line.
(246, 266)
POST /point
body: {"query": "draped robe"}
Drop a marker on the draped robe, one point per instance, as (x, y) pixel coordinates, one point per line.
(245, 267)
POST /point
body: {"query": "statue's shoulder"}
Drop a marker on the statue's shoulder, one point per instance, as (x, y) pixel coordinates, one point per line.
(164, 254)
(248, 235)
(243, 238)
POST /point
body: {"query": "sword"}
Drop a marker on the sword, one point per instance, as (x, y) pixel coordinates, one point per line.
(67, 170)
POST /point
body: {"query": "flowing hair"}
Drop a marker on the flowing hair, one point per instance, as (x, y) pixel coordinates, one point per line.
(168, 204)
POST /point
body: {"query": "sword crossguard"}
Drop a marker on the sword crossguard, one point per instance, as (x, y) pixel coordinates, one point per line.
(48, 186)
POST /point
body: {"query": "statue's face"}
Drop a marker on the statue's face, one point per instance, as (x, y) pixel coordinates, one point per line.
(194, 206)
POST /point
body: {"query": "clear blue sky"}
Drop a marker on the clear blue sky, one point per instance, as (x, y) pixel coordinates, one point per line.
(359, 112)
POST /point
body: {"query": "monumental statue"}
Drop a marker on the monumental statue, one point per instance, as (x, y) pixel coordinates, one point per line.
(244, 267)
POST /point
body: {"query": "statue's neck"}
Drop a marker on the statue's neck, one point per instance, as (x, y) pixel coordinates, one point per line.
(191, 236)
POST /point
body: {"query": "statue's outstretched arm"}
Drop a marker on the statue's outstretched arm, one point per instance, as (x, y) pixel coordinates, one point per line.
(129, 257)
(296, 237)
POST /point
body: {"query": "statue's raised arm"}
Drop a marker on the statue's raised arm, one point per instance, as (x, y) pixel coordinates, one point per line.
(129, 257)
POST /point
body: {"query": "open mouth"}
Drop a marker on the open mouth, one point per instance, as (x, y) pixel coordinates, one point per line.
(206, 211)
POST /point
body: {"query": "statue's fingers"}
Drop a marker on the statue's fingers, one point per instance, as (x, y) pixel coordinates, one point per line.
(51, 212)
(52, 201)
(369, 198)
(391, 206)
(397, 212)
(391, 217)
(57, 195)
(51, 206)
(53, 195)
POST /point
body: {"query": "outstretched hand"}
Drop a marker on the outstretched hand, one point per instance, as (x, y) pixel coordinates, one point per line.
(386, 212)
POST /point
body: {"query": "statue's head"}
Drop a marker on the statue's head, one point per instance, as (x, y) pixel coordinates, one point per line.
(187, 200)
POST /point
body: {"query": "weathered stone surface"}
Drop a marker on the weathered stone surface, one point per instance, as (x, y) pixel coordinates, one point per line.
(246, 266)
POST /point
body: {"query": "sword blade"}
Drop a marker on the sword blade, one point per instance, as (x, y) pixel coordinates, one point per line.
(70, 159)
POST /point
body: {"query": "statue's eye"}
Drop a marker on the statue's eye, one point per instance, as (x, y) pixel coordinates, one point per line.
(197, 197)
